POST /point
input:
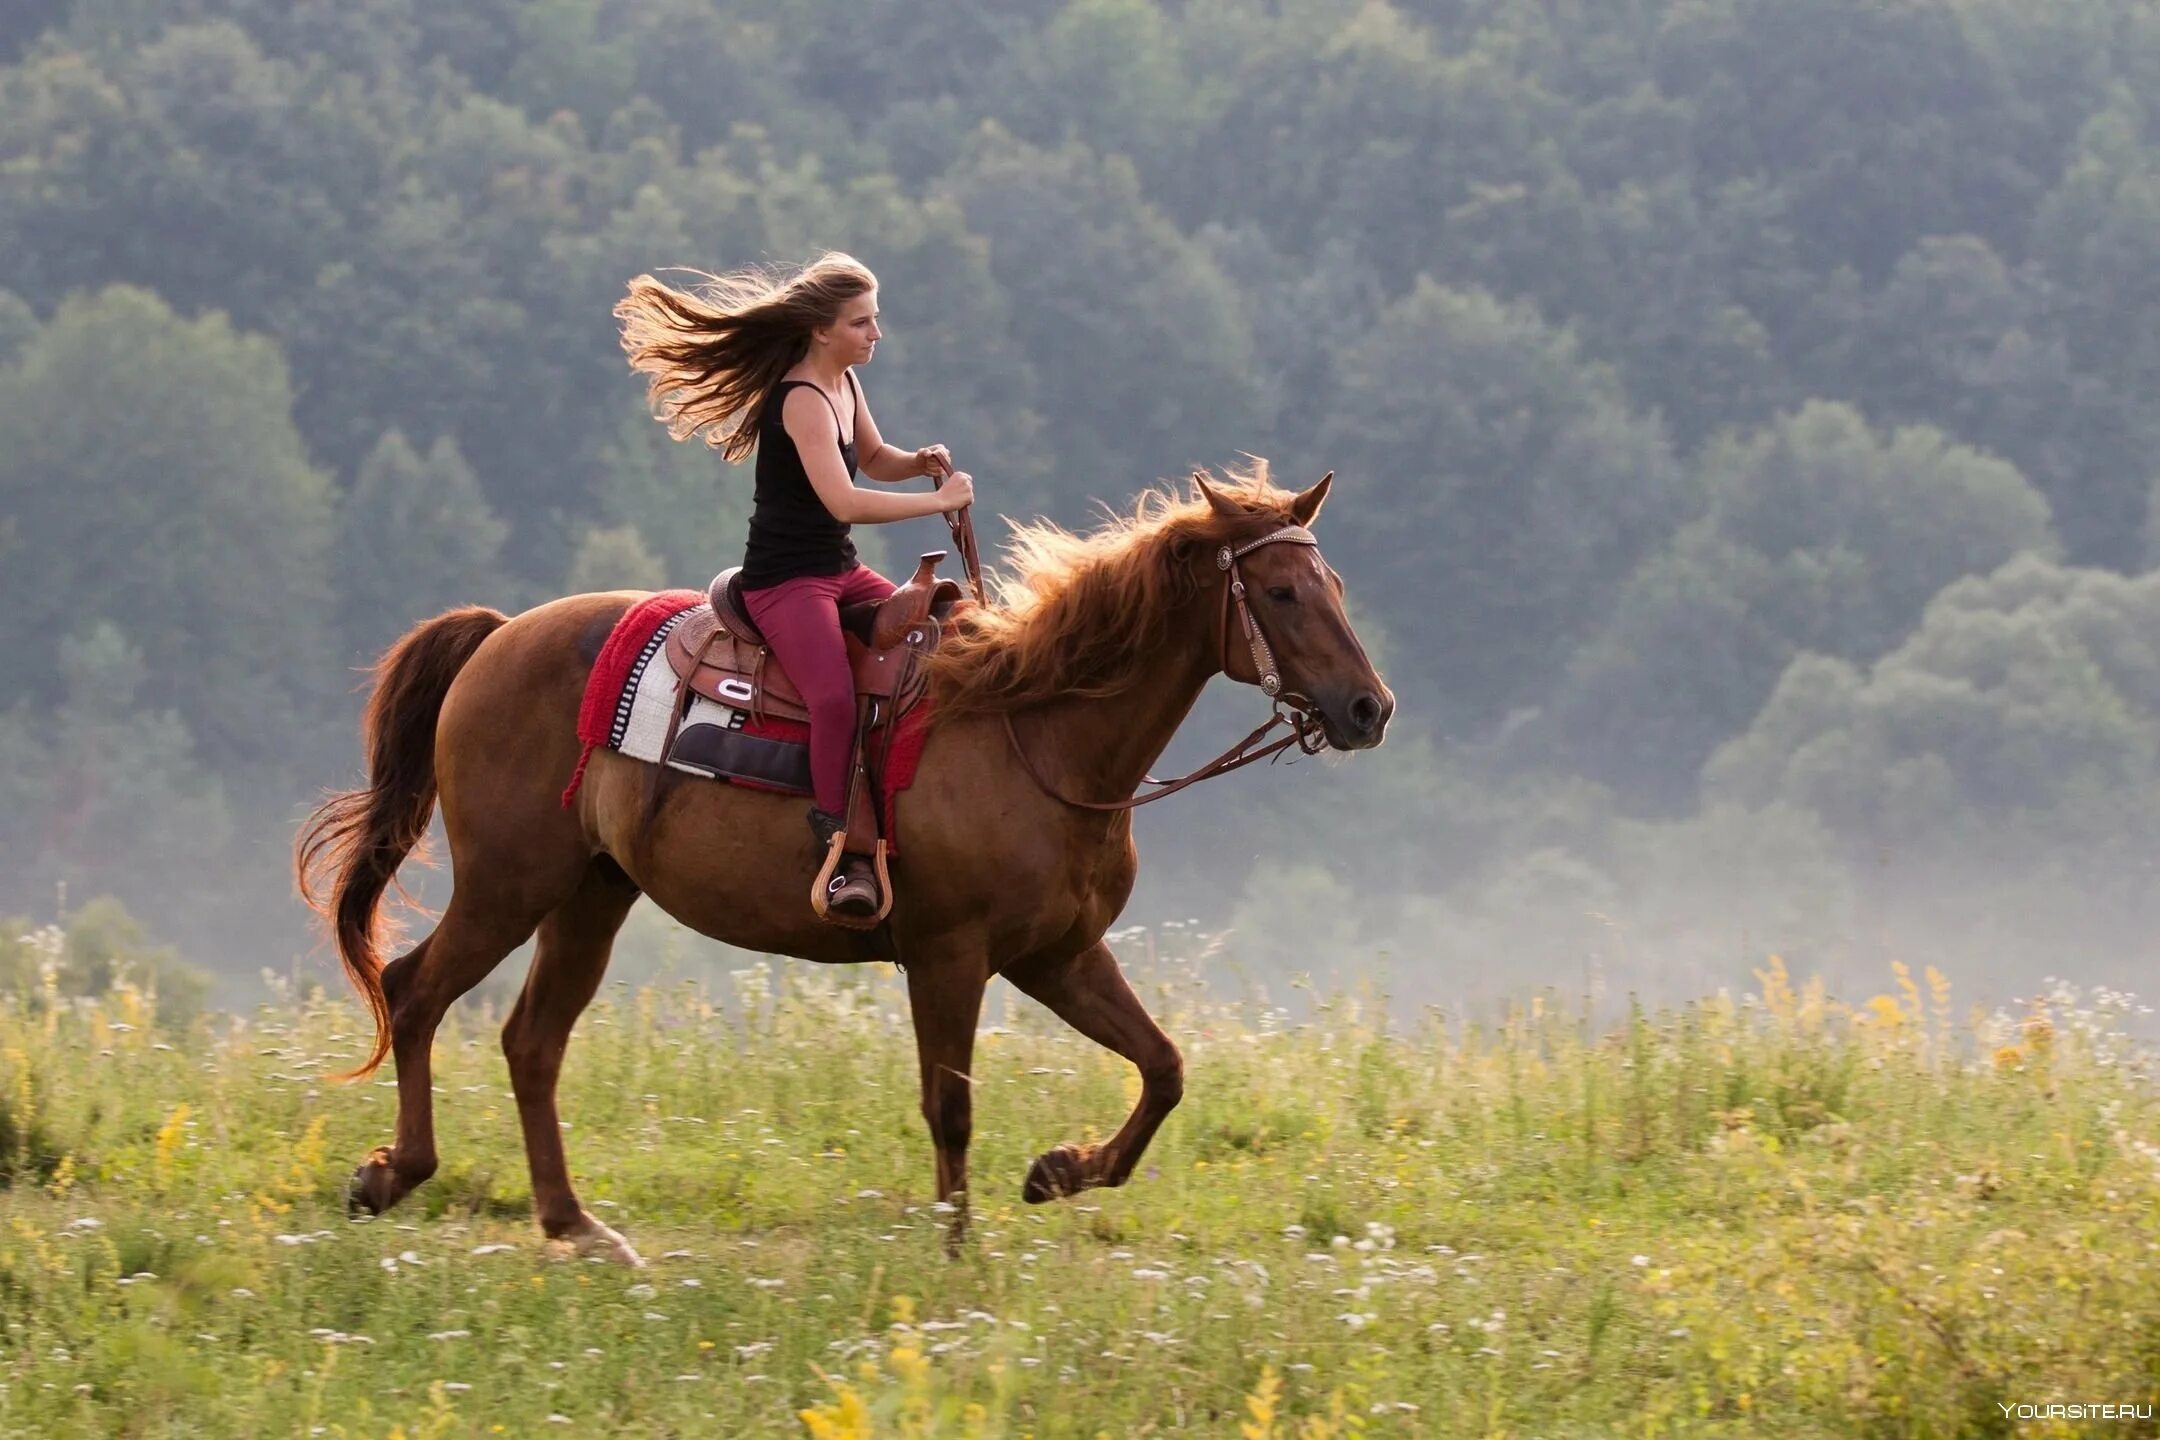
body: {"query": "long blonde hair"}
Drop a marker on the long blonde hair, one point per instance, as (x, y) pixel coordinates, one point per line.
(712, 354)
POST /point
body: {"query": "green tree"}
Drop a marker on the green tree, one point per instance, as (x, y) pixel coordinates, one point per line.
(155, 480)
(2022, 717)
(708, 68)
(1154, 353)
(695, 507)
(193, 164)
(614, 558)
(569, 59)
(18, 325)
(1919, 507)
(414, 537)
(2098, 237)
(105, 789)
(107, 946)
(1881, 120)
(1821, 535)
(24, 22)
(1497, 493)
(1105, 73)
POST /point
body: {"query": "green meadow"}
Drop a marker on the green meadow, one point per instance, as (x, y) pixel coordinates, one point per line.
(1774, 1214)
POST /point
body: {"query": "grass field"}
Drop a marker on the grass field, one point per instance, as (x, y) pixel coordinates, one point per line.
(1767, 1216)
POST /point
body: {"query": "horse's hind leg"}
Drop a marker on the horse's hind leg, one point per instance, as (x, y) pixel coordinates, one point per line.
(567, 965)
(420, 987)
(1089, 993)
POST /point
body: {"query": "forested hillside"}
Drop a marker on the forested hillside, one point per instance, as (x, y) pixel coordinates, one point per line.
(1745, 414)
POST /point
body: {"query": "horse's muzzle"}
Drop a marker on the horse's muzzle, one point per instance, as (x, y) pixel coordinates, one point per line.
(1357, 719)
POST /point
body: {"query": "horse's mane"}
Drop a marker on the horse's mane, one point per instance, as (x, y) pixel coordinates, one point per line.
(1079, 614)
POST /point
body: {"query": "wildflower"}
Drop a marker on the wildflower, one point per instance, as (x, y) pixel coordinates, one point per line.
(169, 1139)
(1266, 1392)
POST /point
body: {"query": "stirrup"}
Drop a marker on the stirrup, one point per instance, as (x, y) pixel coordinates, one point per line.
(852, 889)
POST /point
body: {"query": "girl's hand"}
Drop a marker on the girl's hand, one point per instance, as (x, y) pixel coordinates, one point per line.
(957, 492)
(933, 460)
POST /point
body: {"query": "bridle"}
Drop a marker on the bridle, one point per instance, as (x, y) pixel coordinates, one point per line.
(1265, 675)
(1290, 708)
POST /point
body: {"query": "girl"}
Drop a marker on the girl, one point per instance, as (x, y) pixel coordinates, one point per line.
(769, 366)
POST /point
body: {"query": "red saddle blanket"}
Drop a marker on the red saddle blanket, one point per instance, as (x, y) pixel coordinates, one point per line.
(635, 644)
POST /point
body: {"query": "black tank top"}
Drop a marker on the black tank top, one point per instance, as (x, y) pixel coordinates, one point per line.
(791, 531)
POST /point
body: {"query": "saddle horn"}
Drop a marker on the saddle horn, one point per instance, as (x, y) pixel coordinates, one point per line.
(907, 606)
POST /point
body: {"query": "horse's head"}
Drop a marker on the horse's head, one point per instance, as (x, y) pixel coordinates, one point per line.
(1284, 624)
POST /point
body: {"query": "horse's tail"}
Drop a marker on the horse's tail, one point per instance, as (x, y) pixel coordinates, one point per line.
(349, 852)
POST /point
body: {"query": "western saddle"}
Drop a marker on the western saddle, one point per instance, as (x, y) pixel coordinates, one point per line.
(719, 654)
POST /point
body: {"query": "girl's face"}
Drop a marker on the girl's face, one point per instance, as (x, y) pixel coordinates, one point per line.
(854, 333)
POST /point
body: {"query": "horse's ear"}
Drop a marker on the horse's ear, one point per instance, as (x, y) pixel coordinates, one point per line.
(1306, 507)
(1222, 504)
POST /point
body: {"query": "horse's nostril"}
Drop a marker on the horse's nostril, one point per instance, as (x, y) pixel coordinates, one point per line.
(1365, 713)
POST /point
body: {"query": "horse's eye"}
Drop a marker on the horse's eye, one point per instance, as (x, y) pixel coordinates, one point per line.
(1282, 594)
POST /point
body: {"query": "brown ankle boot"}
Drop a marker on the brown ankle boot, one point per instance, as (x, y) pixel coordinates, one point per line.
(852, 887)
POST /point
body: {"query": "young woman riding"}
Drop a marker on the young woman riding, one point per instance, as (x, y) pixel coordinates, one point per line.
(765, 365)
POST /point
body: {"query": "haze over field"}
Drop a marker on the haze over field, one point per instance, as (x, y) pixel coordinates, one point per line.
(1743, 413)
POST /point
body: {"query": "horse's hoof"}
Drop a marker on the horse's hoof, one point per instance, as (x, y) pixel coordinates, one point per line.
(590, 1238)
(372, 1188)
(1054, 1175)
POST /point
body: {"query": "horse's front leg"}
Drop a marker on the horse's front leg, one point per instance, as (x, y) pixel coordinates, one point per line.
(1088, 992)
(945, 999)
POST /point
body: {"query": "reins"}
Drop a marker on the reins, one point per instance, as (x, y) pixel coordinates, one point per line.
(1291, 709)
(1304, 731)
(962, 526)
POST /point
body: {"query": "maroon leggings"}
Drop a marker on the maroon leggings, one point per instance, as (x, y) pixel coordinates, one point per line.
(801, 621)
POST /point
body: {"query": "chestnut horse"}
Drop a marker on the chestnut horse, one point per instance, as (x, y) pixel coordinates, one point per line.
(1049, 707)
